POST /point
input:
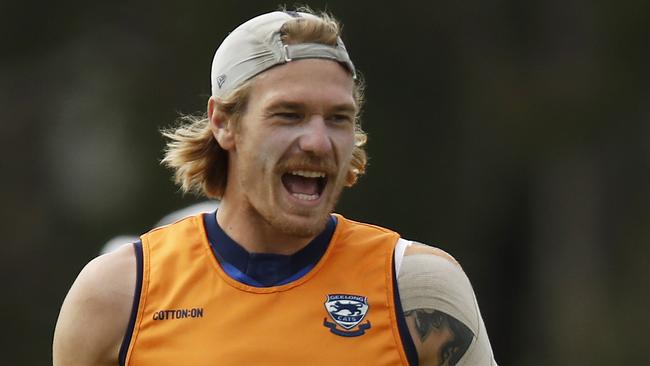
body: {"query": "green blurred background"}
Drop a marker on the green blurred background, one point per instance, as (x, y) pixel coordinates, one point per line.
(515, 135)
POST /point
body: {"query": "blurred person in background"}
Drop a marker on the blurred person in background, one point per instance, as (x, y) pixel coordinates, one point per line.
(194, 209)
(273, 276)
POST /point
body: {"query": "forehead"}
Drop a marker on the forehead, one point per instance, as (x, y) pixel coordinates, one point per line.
(312, 82)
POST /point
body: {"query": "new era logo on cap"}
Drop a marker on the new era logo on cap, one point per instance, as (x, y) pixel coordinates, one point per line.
(221, 79)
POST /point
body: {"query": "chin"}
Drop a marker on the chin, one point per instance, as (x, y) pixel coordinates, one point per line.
(303, 227)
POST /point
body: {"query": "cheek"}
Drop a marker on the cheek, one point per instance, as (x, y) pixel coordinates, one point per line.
(345, 146)
(263, 155)
(266, 151)
(252, 146)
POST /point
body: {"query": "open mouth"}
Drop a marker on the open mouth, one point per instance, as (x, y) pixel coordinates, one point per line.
(304, 185)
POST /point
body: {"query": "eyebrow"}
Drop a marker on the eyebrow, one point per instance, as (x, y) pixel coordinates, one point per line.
(339, 108)
(345, 108)
(285, 105)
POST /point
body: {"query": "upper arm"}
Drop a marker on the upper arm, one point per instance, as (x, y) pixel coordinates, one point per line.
(441, 310)
(95, 313)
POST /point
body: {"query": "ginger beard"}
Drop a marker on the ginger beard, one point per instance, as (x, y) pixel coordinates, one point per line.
(268, 189)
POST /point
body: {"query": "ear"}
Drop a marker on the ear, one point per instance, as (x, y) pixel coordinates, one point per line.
(221, 127)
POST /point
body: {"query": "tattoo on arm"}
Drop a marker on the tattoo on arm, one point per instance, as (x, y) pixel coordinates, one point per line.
(450, 337)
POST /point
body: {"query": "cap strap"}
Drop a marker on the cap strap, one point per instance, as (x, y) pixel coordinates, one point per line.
(318, 50)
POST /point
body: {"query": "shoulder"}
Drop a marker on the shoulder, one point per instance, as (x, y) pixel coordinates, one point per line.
(427, 272)
(422, 249)
(361, 232)
(96, 310)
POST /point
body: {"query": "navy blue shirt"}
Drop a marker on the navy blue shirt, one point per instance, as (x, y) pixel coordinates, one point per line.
(265, 269)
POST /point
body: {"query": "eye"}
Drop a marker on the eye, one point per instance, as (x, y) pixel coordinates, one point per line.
(339, 118)
(288, 116)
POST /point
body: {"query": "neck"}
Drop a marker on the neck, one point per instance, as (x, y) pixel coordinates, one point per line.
(255, 234)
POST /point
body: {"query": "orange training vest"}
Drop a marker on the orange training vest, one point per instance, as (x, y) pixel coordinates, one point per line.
(191, 312)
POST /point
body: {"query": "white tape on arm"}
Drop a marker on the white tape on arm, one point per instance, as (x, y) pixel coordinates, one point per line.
(434, 282)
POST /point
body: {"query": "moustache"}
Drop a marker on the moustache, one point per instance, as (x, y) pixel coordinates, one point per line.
(307, 162)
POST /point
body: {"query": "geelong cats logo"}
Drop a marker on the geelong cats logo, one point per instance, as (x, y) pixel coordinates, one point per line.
(347, 311)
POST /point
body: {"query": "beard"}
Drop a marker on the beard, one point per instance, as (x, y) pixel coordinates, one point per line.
(300, 225)
(304, 223)
(258, 175)
(290, 228)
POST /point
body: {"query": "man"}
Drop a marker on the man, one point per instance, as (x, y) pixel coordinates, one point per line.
(273, 277)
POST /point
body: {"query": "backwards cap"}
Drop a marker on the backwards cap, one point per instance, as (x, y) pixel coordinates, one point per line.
(256, 46)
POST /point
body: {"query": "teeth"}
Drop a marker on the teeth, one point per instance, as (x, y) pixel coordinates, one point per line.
(305, 197)
(308, 174)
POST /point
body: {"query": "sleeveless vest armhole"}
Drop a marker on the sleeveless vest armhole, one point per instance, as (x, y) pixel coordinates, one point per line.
(400, 249)
(405, 335)
(126, 342)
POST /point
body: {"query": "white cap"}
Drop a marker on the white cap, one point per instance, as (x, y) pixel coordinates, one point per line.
(256, 46)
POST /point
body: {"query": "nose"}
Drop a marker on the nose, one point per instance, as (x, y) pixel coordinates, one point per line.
(315, 138)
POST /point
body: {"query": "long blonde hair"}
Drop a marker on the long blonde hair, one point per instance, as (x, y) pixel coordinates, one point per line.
(200, 165)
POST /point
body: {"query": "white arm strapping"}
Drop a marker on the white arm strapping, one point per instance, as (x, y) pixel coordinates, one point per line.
(428, 281)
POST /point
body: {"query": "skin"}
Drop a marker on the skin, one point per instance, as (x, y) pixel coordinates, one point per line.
(96, 311)
(300, 116)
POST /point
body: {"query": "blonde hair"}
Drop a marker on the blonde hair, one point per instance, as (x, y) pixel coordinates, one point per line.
(200, 165)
